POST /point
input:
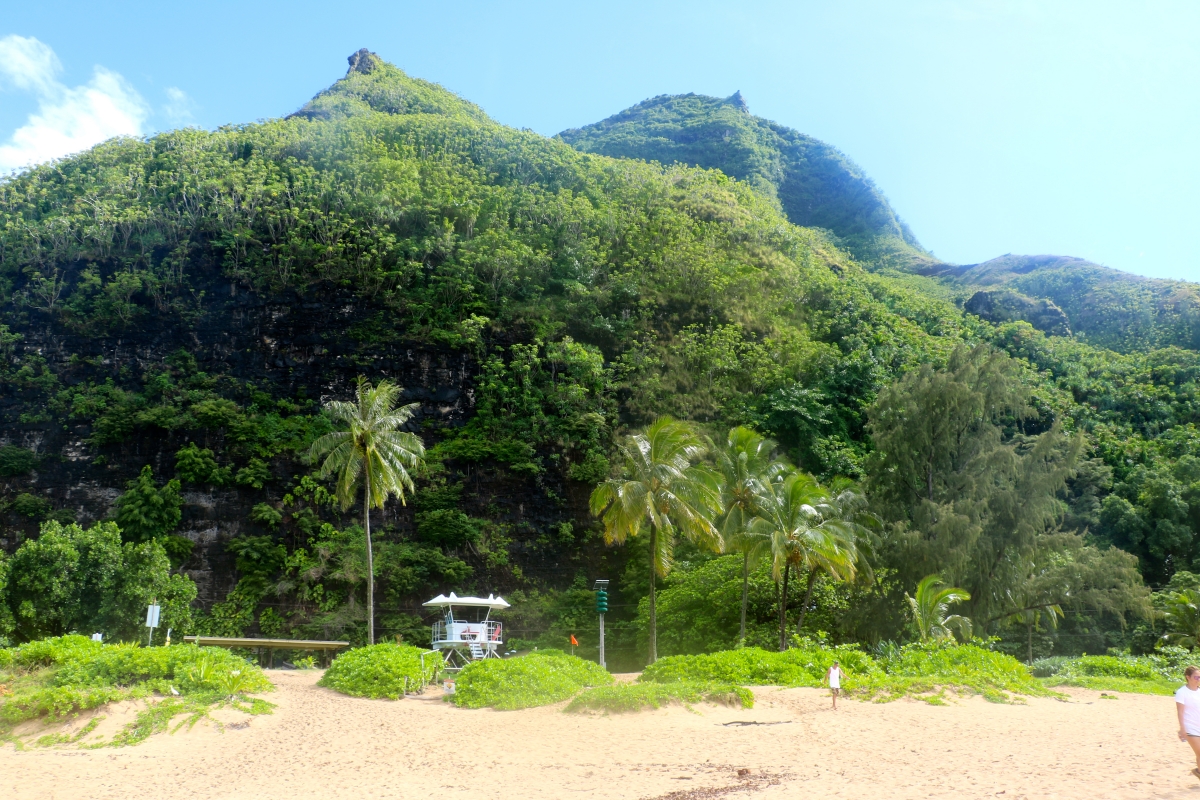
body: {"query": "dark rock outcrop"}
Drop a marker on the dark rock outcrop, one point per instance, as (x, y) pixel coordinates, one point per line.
(1005, 305)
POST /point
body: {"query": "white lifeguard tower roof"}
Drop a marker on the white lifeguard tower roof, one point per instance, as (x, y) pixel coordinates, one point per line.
(490, 602)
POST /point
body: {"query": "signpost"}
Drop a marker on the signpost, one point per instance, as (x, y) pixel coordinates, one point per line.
(151, 621)
(601, 589)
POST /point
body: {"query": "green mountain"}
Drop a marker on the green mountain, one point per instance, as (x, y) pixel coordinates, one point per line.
(178, 308)
(814, 184)
(817, 186)
(1103, 306)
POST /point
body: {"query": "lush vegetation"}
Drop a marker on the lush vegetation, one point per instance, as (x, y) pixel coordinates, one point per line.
(535, 679)
(628, 697)
(382, 670)
(920, 670)
(1160, 673)
(657, 330)
(71, 579)
(815, 185)
(55, 678)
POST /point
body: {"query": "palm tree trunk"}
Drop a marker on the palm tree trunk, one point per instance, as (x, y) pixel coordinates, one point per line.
(745, 597)
(812, 580)
(783, 609)
(653, 617)
(370, 562)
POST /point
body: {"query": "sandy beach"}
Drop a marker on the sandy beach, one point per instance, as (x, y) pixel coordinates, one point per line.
(319, 744)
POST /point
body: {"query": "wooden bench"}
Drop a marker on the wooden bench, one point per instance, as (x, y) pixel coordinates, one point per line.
(270, 645)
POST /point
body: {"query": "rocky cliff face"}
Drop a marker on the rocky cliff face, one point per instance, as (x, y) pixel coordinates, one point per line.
(1005, 305)
(287, 345)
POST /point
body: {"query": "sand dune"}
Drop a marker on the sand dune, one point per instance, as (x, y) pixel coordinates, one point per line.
(319, 744)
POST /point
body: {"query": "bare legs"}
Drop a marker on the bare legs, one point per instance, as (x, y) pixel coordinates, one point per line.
(1194, 741)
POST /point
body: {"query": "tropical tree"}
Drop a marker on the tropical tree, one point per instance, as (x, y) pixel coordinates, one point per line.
(661, 486)
(807, 530)
(372, 453)
(744, 461)
(1182, 619)
(930, 610)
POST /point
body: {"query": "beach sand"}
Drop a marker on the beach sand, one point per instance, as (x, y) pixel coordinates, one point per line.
(319, 744)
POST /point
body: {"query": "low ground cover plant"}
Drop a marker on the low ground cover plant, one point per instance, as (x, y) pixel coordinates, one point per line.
(627, 697)
(1159, 673)
(55, 678)
(752, 666)
(535, 679)
(382, 670)
(919, 670)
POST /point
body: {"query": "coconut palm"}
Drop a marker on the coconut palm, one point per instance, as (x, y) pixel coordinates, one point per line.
(930, 610)
(807, 531)
(663, 486)
(846, 506)
(1182, 619)
(372, 453)
(743, 461)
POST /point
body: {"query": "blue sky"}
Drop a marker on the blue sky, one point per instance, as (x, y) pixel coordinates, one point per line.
(993, 127)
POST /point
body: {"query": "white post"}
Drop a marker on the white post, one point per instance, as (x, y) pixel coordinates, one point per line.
(151, 621)
(602, 642)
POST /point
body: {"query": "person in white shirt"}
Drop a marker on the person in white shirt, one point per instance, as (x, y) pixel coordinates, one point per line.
(1187, 706)
(834, 678)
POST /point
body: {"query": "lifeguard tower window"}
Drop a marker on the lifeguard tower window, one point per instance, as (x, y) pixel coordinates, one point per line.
(466, 631)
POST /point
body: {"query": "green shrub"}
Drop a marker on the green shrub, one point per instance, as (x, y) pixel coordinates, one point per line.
(1159, 673)
(1046, 667)
(626, 697)
(31, 506)
(536, 679)
(754, 666)
(16, 460)
(381, 670)
(916, 669)
(67, 674)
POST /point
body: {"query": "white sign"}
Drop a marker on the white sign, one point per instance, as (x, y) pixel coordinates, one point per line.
(152, 616)
(97, 637)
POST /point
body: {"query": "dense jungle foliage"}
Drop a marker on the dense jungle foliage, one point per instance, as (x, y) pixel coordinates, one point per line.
(587, 296)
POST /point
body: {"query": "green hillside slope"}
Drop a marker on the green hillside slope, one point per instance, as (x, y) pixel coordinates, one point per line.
(177, 309)
(818, 186)
(185, 302)
(1104, 306)
(815, 184)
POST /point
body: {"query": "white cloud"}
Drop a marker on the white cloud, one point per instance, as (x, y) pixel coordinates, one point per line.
(67, 119)
(178, 109)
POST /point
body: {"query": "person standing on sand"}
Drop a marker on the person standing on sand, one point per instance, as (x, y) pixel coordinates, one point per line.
(1187, 706)
(834, 678)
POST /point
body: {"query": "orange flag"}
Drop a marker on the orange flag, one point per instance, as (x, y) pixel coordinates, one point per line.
(573, 642)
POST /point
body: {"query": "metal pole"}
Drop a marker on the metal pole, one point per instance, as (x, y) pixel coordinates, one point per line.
(602, 642)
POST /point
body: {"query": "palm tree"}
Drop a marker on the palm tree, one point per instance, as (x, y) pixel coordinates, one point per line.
(806, 531)
(660, 484)
(372, 453)
(744, 461)
(1182, 618)
(930, 609)
(844, 507)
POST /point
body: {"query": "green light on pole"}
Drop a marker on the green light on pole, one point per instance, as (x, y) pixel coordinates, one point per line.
(601, 590)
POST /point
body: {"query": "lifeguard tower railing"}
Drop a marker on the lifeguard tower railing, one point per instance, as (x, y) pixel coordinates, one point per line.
(488, 633)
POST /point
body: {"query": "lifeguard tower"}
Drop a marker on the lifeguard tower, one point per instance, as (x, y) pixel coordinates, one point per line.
(466, 632)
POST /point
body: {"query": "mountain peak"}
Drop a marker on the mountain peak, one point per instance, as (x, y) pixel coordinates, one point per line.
(363, 61)
(738, 101)
(374, 85)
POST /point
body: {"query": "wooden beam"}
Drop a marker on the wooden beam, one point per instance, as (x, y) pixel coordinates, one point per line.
(282, 644)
